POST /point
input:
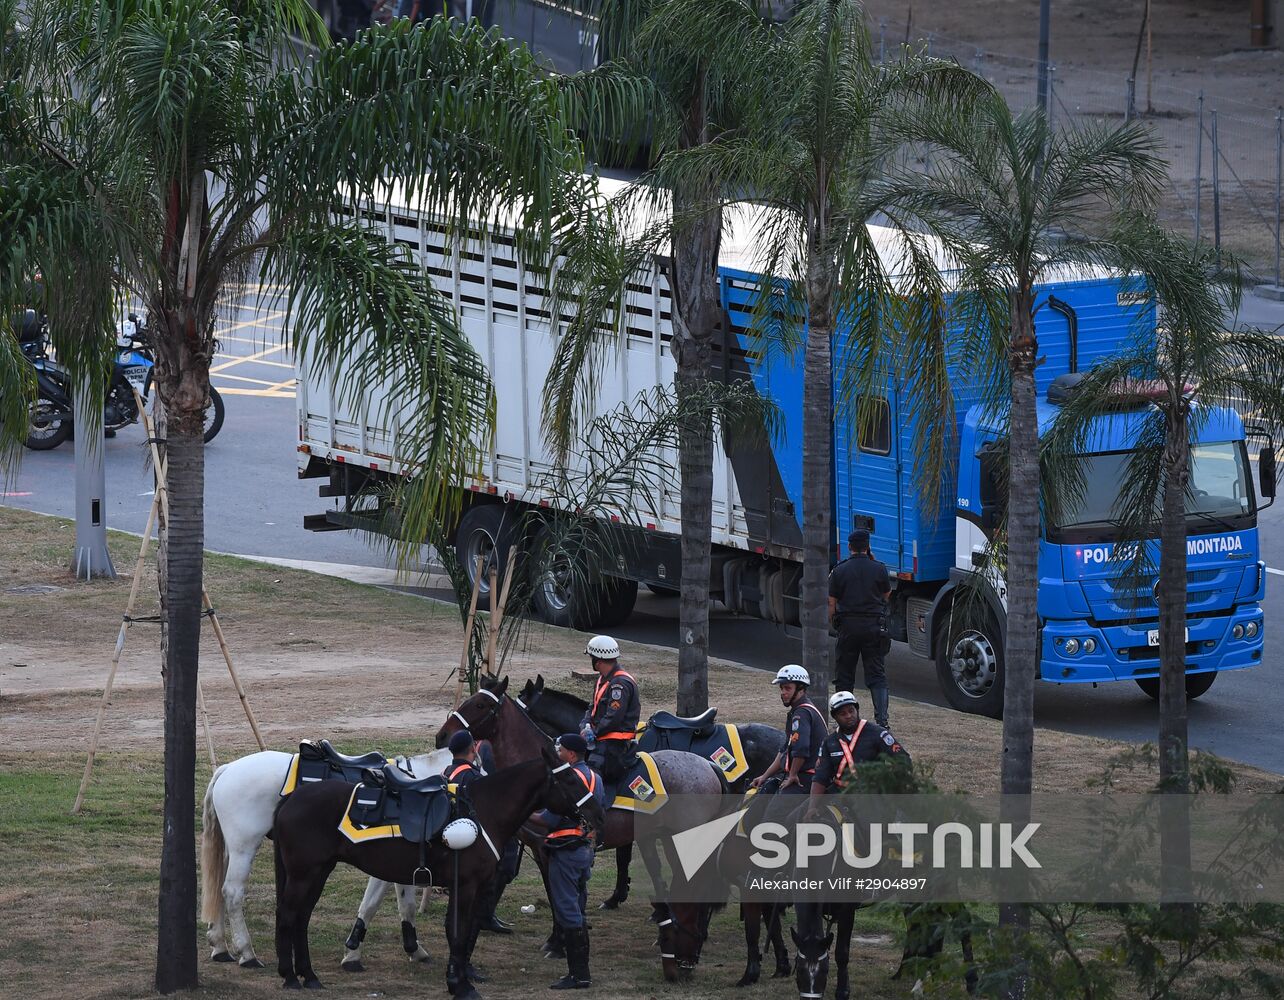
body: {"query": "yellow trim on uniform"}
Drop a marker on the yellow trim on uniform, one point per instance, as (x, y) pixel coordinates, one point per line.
(359, 835)
(659, 794)
(291, 777)
(737, 751)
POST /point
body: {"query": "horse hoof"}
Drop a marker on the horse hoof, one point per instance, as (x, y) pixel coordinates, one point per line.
(421, 956)
(747, 980)
(782, 973)
(354, 966)
(292, 984)
(468, 994)
(221, 956)
(313, 984)
(609, 904)
(251, 963)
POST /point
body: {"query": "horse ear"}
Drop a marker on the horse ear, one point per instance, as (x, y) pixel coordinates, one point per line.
(539, 682)
(503, 686)
(550, 758)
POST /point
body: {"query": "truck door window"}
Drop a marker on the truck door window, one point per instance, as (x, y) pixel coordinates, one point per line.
(874, 426)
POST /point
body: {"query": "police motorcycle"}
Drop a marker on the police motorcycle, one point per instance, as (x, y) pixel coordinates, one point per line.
(52, 416)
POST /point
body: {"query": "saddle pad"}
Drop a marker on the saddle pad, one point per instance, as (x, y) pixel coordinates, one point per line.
(305, 770)
(373, 813)
(722, 746)
(641, 789)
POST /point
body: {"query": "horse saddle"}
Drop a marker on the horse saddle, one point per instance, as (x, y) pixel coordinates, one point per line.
(320, 761)
(702, 723)
(701, 735)
(387, 797)
(641, 787)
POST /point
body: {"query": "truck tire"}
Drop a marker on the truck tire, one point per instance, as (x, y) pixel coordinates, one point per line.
(1196, 684)
(487, 531)
(969, 666)
(562, 597)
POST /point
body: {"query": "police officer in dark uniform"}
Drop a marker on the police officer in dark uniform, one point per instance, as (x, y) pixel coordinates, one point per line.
(610, 725)
(570, 862)
(859, 588)
(463, 768)
(855, 741)
(805, 729)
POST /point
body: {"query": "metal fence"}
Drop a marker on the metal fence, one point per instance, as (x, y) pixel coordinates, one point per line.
(1226, 158)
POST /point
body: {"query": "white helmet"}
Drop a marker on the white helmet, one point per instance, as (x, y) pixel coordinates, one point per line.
(791, 673)
(841, 698)
(603, 647)
(460, 833)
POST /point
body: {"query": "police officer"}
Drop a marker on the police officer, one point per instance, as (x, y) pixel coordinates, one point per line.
(570, 862)
(462, 768)
(805, 728)
(853, 742)
(611, 723)
(859, 588)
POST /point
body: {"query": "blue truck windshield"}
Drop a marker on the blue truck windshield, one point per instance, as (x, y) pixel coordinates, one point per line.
(1220, 497)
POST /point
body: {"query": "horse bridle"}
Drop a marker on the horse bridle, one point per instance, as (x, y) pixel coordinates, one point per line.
(493, 714)
(471, 727)
(697, 936)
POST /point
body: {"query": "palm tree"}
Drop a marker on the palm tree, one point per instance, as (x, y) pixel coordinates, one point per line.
(694, 87)
(1020, 203)
(816, 135)
(196, 150)
(1173, 383)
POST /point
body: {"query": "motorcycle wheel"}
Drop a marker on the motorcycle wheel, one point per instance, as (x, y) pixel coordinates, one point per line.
(48, 428)
(213, 416)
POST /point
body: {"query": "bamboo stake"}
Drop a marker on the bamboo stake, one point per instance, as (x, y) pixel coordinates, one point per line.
(227, 658)
(205, 719)
(497, 615)
(490, 622)
(115, 656)
(468, 632)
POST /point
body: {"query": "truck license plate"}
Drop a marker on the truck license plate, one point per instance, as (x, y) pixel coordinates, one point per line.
(1152, 637)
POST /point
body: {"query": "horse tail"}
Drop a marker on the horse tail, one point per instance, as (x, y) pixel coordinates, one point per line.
(213, 857)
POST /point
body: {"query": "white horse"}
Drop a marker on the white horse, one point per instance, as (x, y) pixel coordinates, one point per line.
(239, 805)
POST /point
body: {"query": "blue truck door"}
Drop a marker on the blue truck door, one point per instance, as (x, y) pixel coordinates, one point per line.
(868, 478)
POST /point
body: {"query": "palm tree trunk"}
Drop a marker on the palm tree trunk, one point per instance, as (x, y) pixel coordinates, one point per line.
(817, 491)
(1174, 763)
(176, 967)
(697, 310)
(1021, 649)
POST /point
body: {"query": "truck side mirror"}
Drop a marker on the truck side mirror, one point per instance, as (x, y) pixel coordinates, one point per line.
(1266, 472)
(992, 498)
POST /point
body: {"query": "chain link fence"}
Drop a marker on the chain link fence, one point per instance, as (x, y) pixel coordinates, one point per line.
(1226, 158)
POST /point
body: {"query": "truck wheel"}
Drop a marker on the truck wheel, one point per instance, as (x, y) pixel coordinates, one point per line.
(969, 667)
(570, 597)
(488, 532)
(1196, 684)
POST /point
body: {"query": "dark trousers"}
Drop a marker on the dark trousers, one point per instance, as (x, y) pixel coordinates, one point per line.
(568, 877)
(860, 643)
(608, 759)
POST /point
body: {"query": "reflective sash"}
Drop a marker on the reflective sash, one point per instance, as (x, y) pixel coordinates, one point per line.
(452, 775)
(600, 689)
(848, 764)
(577, 831)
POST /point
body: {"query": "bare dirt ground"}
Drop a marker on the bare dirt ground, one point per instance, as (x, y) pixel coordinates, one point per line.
(322, 657)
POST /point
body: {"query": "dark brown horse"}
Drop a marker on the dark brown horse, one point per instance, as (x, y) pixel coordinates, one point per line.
(493, 715)
(309, 845)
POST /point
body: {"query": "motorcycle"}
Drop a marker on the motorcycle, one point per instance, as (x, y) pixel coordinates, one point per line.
(52, 416)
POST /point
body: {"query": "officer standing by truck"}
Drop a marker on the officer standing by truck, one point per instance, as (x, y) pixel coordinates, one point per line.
(859, 587)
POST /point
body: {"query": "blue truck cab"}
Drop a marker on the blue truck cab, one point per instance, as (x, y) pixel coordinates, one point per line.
(1095, 626)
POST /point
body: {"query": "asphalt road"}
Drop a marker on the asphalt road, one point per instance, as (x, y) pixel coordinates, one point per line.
(255, 505)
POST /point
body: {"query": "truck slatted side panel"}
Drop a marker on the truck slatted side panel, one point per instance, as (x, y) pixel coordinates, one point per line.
(505, 309)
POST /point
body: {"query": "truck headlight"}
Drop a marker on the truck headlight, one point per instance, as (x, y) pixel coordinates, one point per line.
(1089, 645)
(1250, 630)
(1237, 631)
(1072, 646)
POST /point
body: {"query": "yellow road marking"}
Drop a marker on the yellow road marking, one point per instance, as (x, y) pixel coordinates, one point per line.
(245, 340)
(265, 393)
(248, 357)
(270, 317)
(290, 382)
(238, 357)
(244, 378)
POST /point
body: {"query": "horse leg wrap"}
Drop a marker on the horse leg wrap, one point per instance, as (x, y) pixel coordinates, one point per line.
(357, 936)
(409, 939)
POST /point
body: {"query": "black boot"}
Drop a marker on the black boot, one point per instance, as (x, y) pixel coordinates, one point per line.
(490, 919)
(577, 962)
(879, 696)
(555, 946)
